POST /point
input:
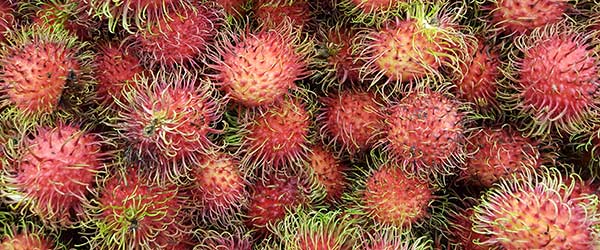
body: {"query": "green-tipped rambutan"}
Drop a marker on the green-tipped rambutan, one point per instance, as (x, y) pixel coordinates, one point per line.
(534, 211)
(223, 240)
(372, 12)
(68, 15)
(553, 80)
(23, 234)
(53, 173)
(259, 68)
(519, 17)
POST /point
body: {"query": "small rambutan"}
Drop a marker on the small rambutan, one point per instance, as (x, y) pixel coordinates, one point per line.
(327, 174)
(460, 227)
(259, 68)
(518, 16)
(272, 13)
(533, 211)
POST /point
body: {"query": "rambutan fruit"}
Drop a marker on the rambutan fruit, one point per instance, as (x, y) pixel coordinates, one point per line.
(392, 238)
(277, 135)
(168, 120)
(520, 17)
(234, 8)
(327, 174)
(271, 13)
(45, 70)
(223, 240)
(372, 12)
(352, 120)
(71, 16)
(219, 187)
(182, 40)
(53, 173)
(317, 230)
(131, 212)
(425, 133)
(553, 81)
(7, 18)
(404, 50)
(533, 211)
(115, 68)
(272, 198)
(460, 227)
(259, 68)
(23, 234)
(498, 153)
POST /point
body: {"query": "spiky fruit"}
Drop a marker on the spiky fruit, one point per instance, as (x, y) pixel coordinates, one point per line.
(44, 70)
(425, 133)
(317, 230)
(338, 61)
(115, 68)
(372, 12)
(257, 69)
(168, 120)
(131, 212)
(352, 120)
(272, 199)
(327, 173)
(532, 211)
(271, 13)
(7, 18)
(212, 240)
(477, 83)
(218, 187)
(498, 153)
(517, 16)
(71, 16)
(391, 238)
(460, 230)
(235, 8)
(26, 242)
(182, 40)
(554, 81)
(54, 172)
(277, 136)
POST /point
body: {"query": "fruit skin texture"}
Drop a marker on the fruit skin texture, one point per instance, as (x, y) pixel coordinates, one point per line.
(115, 68)
(555, 81)
(371, 12)
(534, 211)
(271, 13)
(131, 212)
(26, 241)
(328, 174)
(520, 17)
(259, 68)
(352, 119)
(55, 172)
(180, 41)
(425, 133)
(337, 60)
(7, 19)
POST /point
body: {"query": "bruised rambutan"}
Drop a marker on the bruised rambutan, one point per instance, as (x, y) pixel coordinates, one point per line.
(518, 16)
(168, 120)
(54, 172)
(257, 69)
(533, 211)
(327, 173)
(553, 80)
(271, 13)
(131, 212)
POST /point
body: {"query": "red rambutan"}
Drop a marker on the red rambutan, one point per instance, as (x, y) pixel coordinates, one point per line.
(518, 16)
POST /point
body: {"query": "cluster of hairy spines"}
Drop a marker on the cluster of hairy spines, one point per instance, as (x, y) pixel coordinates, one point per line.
(271, 13)
(554, 80)
(328, 174)
(498, 153)
(259, 68)
(535, 211)
(393, 238)
(460, 227)
(168, 120)
(518, 16)
(7, 18)
(337, 59)
(71, 16)
(114, 67)
(425, 133)
(132, 212)
(372, 12)
(317, 230)
(224, 240)
(182, 40)
(219, 187)
(54, 172)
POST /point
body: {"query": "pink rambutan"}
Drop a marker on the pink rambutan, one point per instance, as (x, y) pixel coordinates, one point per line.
(518, 16)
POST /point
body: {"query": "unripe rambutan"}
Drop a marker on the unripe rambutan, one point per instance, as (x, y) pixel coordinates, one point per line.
(518, 16)
(131, 212)
(257, 69)
(44, 70)
(53, 173)
(532, 211)
(553, 80)
(327, 174)
(168, 120)
(182, 40)
(425, 133)
(218, 188)
(316, 230)
(272, 13)
(352, 120)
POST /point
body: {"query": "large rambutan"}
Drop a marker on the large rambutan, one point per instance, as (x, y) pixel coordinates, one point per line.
(168, 120)
(518, 16)
(53, 173)
(258, 68)
(533, 211)
(553, 80)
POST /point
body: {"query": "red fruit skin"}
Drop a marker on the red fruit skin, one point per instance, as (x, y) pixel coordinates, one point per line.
(71, 16)
(352, 119)
(115, 67)
(344, 60)
(462, 234)
(258, 69)
(7, 18)
(180, 41)
(24, 241)
(57, 171)
(278, 136)
(329, 172)
(212, 240)
(520, 17)
(272, 13)
(234, 8)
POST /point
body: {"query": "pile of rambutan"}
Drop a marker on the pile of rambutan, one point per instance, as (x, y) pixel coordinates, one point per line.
(299, 124)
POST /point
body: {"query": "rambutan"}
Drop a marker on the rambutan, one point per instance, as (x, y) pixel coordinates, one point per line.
(460, 227)
(392, 238)
(372, 12)
(259, 68)
(533, 211)
(327, 173)
(23, 234)
(225, 240)
(553, 80)
(235, 8)
(71, 16)
(518, 16)
(272, 13)
(7, 18)
(54, 172)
